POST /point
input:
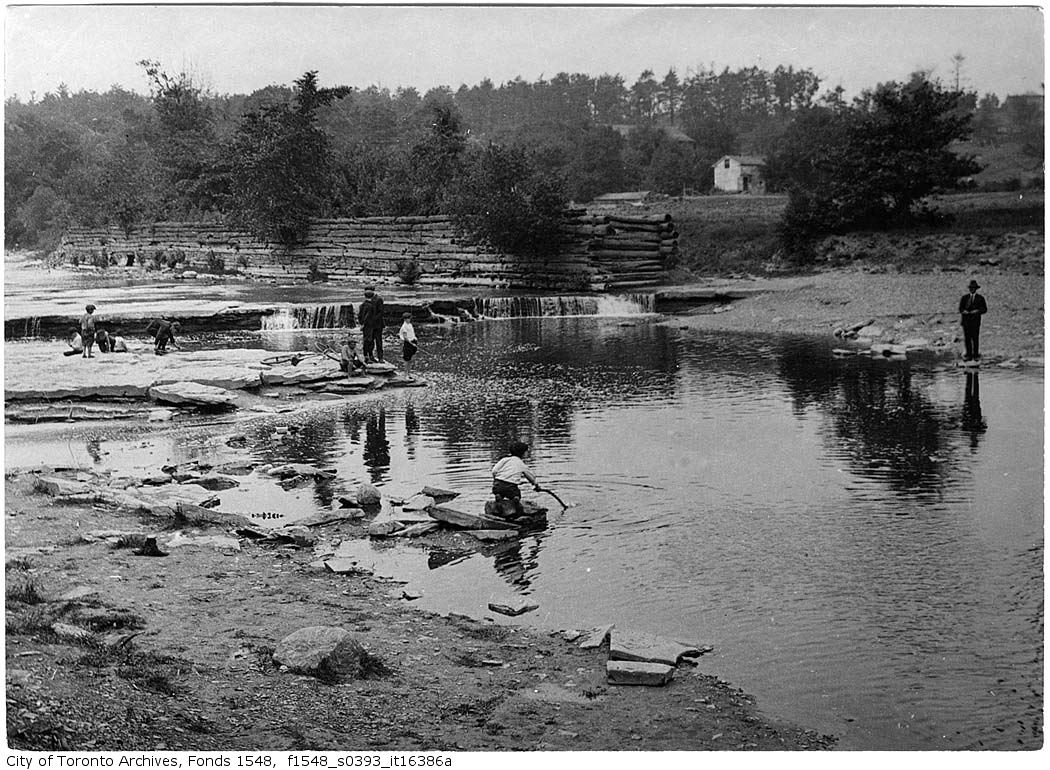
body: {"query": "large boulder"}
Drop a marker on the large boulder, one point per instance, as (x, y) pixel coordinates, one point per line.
(320, 650)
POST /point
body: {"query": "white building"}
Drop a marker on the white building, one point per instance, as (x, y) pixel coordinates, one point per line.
(740, 174)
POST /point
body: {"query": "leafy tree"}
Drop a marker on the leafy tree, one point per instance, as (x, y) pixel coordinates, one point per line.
(280, 164)
(597, 166)
(870, 166)
(501, 200)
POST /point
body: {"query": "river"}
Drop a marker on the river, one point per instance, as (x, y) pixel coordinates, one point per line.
(861, 540)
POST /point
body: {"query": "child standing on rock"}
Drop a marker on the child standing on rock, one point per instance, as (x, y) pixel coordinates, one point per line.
(407, 335)
(87, 330)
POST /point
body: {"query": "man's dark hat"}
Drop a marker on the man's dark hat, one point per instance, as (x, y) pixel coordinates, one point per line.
(974, 285)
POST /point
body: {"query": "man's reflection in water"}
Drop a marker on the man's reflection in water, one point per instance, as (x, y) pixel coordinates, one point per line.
(377, 448)
(972, 422)
(94, 448)
(411, 431)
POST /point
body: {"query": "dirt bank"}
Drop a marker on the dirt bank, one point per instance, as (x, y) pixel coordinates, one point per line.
(905, 304)
(197, 674)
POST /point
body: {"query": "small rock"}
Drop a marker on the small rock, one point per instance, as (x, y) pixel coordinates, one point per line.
(513, 607)
(439, 495)
(368, 495)
(411, 595)
(319, 648)
(419, 503)
(160, 415)
(66, 631)
(342, 566)
(384, 528)
(638, 673)
(214, 483)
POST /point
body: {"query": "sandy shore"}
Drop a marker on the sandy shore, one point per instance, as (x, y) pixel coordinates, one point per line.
(905, 305)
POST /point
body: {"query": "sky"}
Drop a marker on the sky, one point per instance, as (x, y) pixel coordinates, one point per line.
(234, 49)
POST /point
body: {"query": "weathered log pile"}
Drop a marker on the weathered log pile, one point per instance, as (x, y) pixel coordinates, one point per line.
(598, 252)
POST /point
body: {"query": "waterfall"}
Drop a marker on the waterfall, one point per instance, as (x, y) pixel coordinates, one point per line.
(309, 317)
(535, 307)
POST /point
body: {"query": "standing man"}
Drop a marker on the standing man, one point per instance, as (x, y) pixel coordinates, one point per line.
(972, 306)
(370, 315)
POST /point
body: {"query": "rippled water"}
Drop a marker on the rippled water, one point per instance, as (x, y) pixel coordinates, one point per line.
(861, 540)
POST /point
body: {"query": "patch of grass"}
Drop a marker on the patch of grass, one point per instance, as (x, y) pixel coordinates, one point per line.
(24, 590)
(33, 620)
(145, 670)
(18, 564)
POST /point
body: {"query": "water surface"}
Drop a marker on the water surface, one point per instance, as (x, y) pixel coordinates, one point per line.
(860, 539)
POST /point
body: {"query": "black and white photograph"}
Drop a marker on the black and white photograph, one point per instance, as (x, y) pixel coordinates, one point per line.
(417, 385)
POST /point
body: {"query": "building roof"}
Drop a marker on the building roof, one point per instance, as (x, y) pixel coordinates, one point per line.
(743, 160)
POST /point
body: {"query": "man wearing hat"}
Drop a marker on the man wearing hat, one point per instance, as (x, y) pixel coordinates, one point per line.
(972, 306)
(370, 316)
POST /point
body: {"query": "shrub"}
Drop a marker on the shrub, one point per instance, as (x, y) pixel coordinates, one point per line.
(215, 263)
(409, 271)
(315, 274)
(503, 201)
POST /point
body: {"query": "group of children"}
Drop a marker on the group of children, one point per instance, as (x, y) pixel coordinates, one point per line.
(350, 363)
(82, 340)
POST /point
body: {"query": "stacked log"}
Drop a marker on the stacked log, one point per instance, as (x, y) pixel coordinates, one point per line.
(596, 251)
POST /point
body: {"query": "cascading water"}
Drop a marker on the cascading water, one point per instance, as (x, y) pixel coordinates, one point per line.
(309, 317)
(535, 307)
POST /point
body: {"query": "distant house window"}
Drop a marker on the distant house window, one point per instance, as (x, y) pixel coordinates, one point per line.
(727, 162)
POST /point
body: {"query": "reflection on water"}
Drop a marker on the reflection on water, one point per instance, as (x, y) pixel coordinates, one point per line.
(860, 539)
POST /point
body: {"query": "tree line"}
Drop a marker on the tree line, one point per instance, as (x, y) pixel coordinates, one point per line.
(502, 160)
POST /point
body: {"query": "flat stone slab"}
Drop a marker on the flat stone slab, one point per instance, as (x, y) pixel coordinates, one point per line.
(295, 375)
(494, 534)
(39, 371)
(513, 607)
(639, 646)
(383, 368)
(192, 393)
(638, 673)
(342, 566)
(417, 530)
(465, 520)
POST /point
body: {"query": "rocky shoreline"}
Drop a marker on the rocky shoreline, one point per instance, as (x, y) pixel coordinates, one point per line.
(130, 628)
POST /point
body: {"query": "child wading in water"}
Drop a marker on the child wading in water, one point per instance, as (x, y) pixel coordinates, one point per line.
(407, 334)
(509, 472)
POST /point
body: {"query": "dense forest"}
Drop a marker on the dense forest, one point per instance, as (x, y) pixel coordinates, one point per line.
(283, 154)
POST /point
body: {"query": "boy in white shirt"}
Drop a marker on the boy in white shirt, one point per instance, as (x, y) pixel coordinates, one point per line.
(407, 335)
(509, 472)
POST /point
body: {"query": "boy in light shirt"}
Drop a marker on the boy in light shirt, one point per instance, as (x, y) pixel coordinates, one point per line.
(407, 335)
(509, 472)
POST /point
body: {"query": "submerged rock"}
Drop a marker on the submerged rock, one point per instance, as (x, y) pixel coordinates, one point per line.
(439, 495)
